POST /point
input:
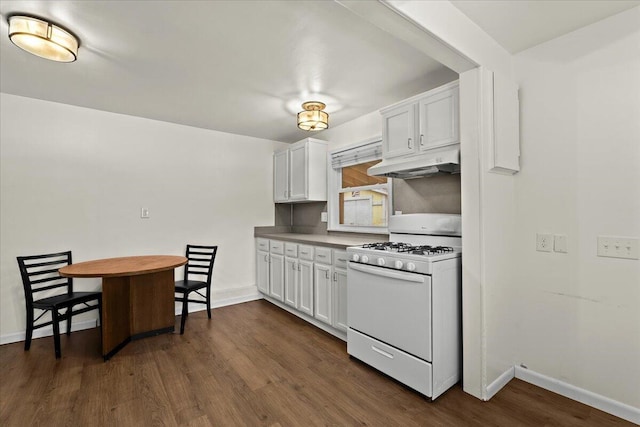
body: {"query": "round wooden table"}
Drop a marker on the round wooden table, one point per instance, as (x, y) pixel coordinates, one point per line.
(137, 296)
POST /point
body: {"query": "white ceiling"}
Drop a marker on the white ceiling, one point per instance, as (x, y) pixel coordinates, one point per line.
(520, 24)
(246, 66)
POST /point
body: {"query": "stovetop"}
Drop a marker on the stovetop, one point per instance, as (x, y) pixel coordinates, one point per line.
(407, 248)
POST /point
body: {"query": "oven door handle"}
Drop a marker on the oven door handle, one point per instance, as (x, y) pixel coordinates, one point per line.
(384, 272)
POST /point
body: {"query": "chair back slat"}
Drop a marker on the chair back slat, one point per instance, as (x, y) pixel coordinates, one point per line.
(40, 273)
(200, 261)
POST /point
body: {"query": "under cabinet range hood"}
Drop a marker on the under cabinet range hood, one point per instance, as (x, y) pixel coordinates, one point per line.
(429, 163)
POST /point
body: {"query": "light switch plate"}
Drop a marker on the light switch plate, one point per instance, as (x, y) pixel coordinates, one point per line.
(618, 247)
(544, 242)
(323, 217)
(560, 243)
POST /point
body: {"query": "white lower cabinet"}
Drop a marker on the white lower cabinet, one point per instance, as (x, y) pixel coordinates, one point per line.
(305, 286)
(340, 299)
(276, 276)
(312, 280)
(323, 293)
(262, 271)
(291, 275)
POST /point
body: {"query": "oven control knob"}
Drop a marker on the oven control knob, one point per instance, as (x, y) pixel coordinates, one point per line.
(355, 257)
(364, 259)
(380, 261)
(411, 266)
(399, 264)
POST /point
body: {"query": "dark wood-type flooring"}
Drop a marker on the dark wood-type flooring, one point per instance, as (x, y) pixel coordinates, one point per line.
(252, 364)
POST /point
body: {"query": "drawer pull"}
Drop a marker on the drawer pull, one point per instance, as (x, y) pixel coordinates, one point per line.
(342, 260)
(304, 253)
(321, 256)
(382, 352)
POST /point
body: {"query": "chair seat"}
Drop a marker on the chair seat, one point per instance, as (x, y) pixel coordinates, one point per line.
(189, 285)
(66, 299)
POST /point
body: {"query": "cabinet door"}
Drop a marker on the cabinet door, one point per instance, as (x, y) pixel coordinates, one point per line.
(262, 271)
(305, 287)
(291, 281)
(340, 299)
(323, 293)
(439, 120)
(276, 276)
(281, 176)
(298, 172)
(398, 130)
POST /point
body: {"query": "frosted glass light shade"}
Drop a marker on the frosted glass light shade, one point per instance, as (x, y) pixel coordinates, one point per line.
(43, 39)
(313, 118)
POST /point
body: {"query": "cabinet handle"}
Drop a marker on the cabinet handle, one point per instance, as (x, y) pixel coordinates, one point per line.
(409, 143)
(321, 256)
(293, 265)
(326, 274)
(304, 253)
(421, 142)
(335, 277)
(266, 258)
(299, 267)
(342, 260)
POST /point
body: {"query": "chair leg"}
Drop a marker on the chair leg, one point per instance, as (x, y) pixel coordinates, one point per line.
(29, 331)
(56, 332)
(209, 301)
(185, 311)
(69, 321)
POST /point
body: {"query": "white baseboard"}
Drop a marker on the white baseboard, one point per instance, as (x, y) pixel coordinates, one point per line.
(48, 331)
(500, 382)
(242, 295)
(315, 322)
(239, 296)
(597, 401)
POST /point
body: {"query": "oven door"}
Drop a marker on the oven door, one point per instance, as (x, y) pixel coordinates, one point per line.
(391, 306)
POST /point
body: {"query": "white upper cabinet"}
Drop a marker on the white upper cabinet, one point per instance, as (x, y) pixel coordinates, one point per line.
(399, 130)
(439, 119)
(300, 172)
(281, 176)
(425, 121)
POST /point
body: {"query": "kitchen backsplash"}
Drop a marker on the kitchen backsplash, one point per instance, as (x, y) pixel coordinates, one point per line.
(435, 194)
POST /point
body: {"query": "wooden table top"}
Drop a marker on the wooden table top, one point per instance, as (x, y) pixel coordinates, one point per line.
(124, 266)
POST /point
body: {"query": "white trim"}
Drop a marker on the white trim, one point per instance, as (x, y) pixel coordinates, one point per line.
(251, 295)
(581, 395)
(500, 382)
(48, 331)
(315, 322)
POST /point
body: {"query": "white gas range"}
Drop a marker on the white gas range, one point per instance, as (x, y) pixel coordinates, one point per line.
(404, 305)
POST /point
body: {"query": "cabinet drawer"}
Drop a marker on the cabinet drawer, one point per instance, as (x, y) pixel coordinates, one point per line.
(291, 250)
(305, 252)
(409, 370)
(340, 259)
(276, 247)
(262, 244)
(323, 255)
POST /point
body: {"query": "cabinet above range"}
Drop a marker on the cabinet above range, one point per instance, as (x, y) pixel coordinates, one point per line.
(300, 172)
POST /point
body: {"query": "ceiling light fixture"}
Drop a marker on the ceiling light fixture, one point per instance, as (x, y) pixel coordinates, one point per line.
(313, 118)
(43, 38)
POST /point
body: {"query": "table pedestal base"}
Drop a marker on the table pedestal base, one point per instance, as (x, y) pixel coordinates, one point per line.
(135, 307)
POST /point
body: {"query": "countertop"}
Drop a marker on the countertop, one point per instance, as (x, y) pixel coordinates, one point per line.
(335, 241)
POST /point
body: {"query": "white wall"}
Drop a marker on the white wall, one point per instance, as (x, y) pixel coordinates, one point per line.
(75, 178)
(579, 315)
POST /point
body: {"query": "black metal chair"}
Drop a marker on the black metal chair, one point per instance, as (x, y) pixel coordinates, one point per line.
(200, 264)
(39, 274)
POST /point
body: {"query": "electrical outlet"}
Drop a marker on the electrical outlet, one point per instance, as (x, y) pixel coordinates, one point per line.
(544, 242)
(560, 243)
(618, 247)
(144, 213)
(323, 217)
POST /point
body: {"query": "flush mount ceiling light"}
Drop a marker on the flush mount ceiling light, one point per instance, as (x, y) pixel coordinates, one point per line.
(313, 118)
(43, 38)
